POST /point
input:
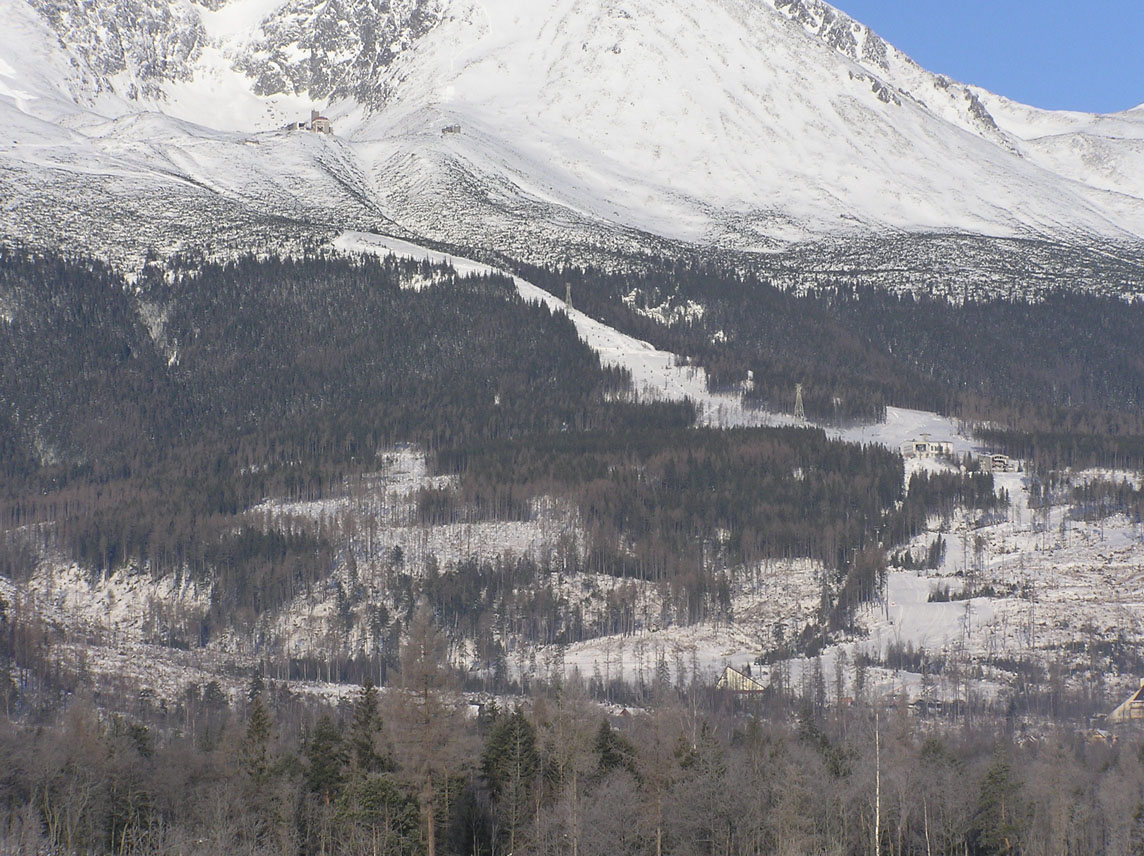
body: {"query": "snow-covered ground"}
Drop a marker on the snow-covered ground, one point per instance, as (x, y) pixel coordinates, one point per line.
(1055, 593)
(903, 424)
(768, 604)
(721, 124)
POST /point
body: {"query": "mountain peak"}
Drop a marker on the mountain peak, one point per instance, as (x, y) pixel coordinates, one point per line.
(718, 125)
(837, 29)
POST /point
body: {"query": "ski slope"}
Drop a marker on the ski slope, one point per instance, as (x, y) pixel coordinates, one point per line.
(662, 376)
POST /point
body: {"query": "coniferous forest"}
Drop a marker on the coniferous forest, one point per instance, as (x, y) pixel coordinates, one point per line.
(1059, 379)
(147, 422)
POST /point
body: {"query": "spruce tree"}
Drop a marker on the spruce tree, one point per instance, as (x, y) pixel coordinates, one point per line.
(614, 750)
(997, 823)
(510, 764)
(255, 750)
(326, 754)
(365, 733)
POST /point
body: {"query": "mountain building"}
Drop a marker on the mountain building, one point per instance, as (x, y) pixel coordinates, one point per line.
(737, 682)
(926, 448)
(1131, 710)
(320, 124)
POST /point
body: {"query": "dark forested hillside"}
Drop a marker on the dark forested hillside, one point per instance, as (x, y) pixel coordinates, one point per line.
(664, 500)
(685, 509)
(316, 354)
(138, 419)
(145, 419)
(1067, 364)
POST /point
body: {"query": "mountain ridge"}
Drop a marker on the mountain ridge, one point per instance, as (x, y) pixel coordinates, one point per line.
(591, 128)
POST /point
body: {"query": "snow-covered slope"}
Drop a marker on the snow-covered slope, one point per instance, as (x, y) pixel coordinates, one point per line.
(1106, 152)
(719, 122)
(609, 125)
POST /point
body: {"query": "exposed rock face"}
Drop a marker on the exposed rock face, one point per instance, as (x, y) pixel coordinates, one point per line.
(836, 29)
(137, 44)
(323, 48)
(335, 48)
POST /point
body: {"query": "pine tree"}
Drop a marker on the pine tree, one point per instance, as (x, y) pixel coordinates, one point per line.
(510, 764)
(326, 754)
(365, 733)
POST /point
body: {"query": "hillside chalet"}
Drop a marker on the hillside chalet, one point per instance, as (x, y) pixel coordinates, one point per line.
(997, 464)
(319, 124)
(735, 681)
(926, 448)
(1131, 710)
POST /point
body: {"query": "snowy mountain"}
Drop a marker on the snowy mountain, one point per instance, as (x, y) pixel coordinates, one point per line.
(585, 127)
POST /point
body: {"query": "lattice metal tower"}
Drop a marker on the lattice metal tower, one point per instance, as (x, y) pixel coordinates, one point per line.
(567, 295)
(799, 411)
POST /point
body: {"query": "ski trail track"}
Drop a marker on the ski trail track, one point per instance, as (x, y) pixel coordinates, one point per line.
(663, 376)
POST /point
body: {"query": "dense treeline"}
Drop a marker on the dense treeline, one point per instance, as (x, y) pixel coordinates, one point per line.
(941, 493)
(1069, 449)
(744, 325)
(688, 508)
(1098, 499)
(138, 421)
(204, 388)
(323, 359)
(819, 766)
(667, 496)
(1066, 368)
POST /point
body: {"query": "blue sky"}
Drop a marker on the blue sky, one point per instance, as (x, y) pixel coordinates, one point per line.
(1056, 54)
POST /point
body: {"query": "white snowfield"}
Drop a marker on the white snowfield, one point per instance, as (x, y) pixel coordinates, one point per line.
(715, 120)
(723, 123)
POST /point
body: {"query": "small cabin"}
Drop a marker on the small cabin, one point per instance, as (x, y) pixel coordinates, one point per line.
(451, 129)
(735, 681)
(320, 124)
(1131, 710)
